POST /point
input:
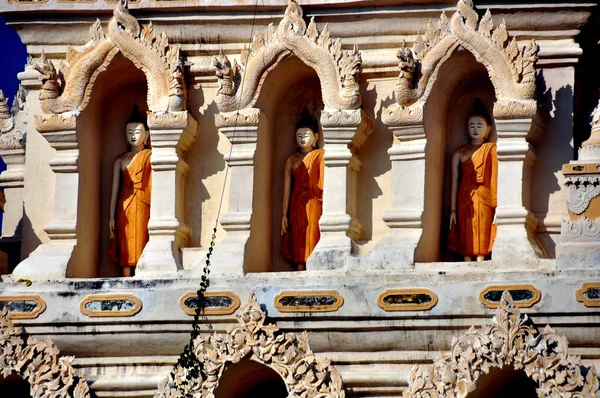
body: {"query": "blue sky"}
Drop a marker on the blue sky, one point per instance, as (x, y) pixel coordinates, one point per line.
(13, 57)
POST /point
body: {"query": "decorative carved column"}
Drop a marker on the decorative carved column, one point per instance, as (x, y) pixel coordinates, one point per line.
(12, 151)
(407, 153)
(515, 223)
(580, 234)
(343, 131)
(241, 129)
(171, 134)
(49, 261)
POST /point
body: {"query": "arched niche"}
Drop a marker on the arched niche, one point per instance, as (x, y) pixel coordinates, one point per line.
(290, 86)
(510, 66)
(345, 127)
(15, 386)
(250, 379)
(288, 354)
(25, 361)
(504, 382)
(511, 342)
(461, 80)
(64, 95)
(101, 138)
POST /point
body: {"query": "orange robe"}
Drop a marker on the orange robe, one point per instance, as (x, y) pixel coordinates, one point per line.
(306, 206)
(133, 211)
(476, 204)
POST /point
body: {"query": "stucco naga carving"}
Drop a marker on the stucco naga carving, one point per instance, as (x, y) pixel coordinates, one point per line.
(39, 363)
(511, 68)
(12, 124)
(513, 341)
(69, 89)
(337, 69)
(288, 354)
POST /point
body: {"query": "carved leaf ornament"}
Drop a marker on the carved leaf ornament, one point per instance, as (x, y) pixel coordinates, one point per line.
(68, 89)
(39, 363)
(337, 69)
(510, 67)
(511, 341)
(288, 354)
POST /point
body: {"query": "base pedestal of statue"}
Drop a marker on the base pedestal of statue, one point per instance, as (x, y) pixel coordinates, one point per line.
(578, 255)
(228, 256)
(48, 262)
(158, 260)
(395, 251)
(330, 253)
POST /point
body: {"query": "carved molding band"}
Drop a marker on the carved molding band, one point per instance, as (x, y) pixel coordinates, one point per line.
(23, 307)
(515, 109)
(110, 305)
(523, 296)
(308, 301)
(582, 230)
(589, 294)
(289, 354)
(249, 117)
(69, 91)
(411, 299)
(582, 190)
(512, 340)
(215, 303)
(169, 120)
(51, 123)
(396, 114)
(337, 69)
(39, 363)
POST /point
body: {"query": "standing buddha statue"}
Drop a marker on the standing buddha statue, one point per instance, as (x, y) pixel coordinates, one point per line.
(130, 196)
(303, 194)
(474, 190)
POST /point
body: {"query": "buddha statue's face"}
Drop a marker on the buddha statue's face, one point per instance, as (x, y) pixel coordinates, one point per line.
(478, 128)
(306, 139)
(137, 135)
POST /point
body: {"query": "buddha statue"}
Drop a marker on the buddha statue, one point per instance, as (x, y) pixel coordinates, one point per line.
(130, 196)
(302, 194)
(474, 190)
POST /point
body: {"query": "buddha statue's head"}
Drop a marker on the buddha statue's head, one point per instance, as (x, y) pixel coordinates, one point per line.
(136, 130)
(307, 134)
(479, 123)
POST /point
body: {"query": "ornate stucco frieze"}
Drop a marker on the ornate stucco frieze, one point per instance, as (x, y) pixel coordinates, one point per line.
(12, 124)
(582, 190)
(511, 341)
(289, 354)
(511, 68)
(69, 90)
(240, 84)
(39, 363)
(582, 230)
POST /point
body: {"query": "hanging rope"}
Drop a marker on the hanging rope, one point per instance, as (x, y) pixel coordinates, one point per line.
(187, 359)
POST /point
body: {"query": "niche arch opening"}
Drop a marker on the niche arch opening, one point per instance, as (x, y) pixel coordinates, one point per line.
(250, 379)
(289, 87)
(101, 138)
(461, 79)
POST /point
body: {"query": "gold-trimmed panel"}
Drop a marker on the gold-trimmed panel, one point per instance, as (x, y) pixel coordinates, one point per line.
(585, 300)
(338, 301)
(40, 306)
(110, 297)
(412, 295)
(536, 295)
(214, 310)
